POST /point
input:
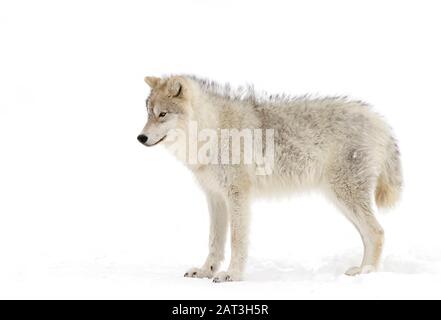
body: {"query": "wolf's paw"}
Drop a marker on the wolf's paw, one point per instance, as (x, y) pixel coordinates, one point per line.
(360, 270)
(226, 276)
(199, 273)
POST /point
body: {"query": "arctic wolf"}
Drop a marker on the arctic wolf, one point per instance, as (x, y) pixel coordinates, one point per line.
(333, 144)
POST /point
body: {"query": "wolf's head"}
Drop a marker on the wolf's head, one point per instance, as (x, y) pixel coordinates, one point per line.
(168, 107)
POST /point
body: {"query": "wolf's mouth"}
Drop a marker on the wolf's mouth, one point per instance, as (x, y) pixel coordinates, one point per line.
(151, 145)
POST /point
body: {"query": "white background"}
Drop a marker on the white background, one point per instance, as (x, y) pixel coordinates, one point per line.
(87, 212)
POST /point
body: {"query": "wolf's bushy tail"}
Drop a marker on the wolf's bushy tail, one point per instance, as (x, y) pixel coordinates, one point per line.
(390, 181)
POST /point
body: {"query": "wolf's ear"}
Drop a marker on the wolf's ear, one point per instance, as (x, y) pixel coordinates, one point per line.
(152, 81)
(174, 88)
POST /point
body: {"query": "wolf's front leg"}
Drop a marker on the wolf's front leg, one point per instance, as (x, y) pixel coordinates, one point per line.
(239, 211)
(216, 245)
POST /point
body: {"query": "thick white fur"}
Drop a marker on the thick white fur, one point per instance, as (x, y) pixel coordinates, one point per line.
(332, 144)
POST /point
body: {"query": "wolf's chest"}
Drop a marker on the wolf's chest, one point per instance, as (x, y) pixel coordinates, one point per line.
(212, 178)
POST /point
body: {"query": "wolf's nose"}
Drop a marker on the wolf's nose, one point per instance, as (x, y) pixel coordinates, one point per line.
(142, 138)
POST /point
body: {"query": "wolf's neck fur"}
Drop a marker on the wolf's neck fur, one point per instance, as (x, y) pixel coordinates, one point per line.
(205, 111)
(225, 91)
(221, 106)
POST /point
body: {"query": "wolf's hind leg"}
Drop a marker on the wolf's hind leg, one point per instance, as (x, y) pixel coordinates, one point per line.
(356, 206)
(216, 244)
(372, 235)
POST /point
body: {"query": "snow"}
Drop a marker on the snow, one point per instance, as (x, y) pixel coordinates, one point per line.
(87, 212)
(142, 256)
(120, 278)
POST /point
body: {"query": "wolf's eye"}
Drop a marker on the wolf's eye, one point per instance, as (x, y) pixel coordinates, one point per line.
(162, 114)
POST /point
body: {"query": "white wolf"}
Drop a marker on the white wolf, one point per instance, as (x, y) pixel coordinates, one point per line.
(333, 144)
